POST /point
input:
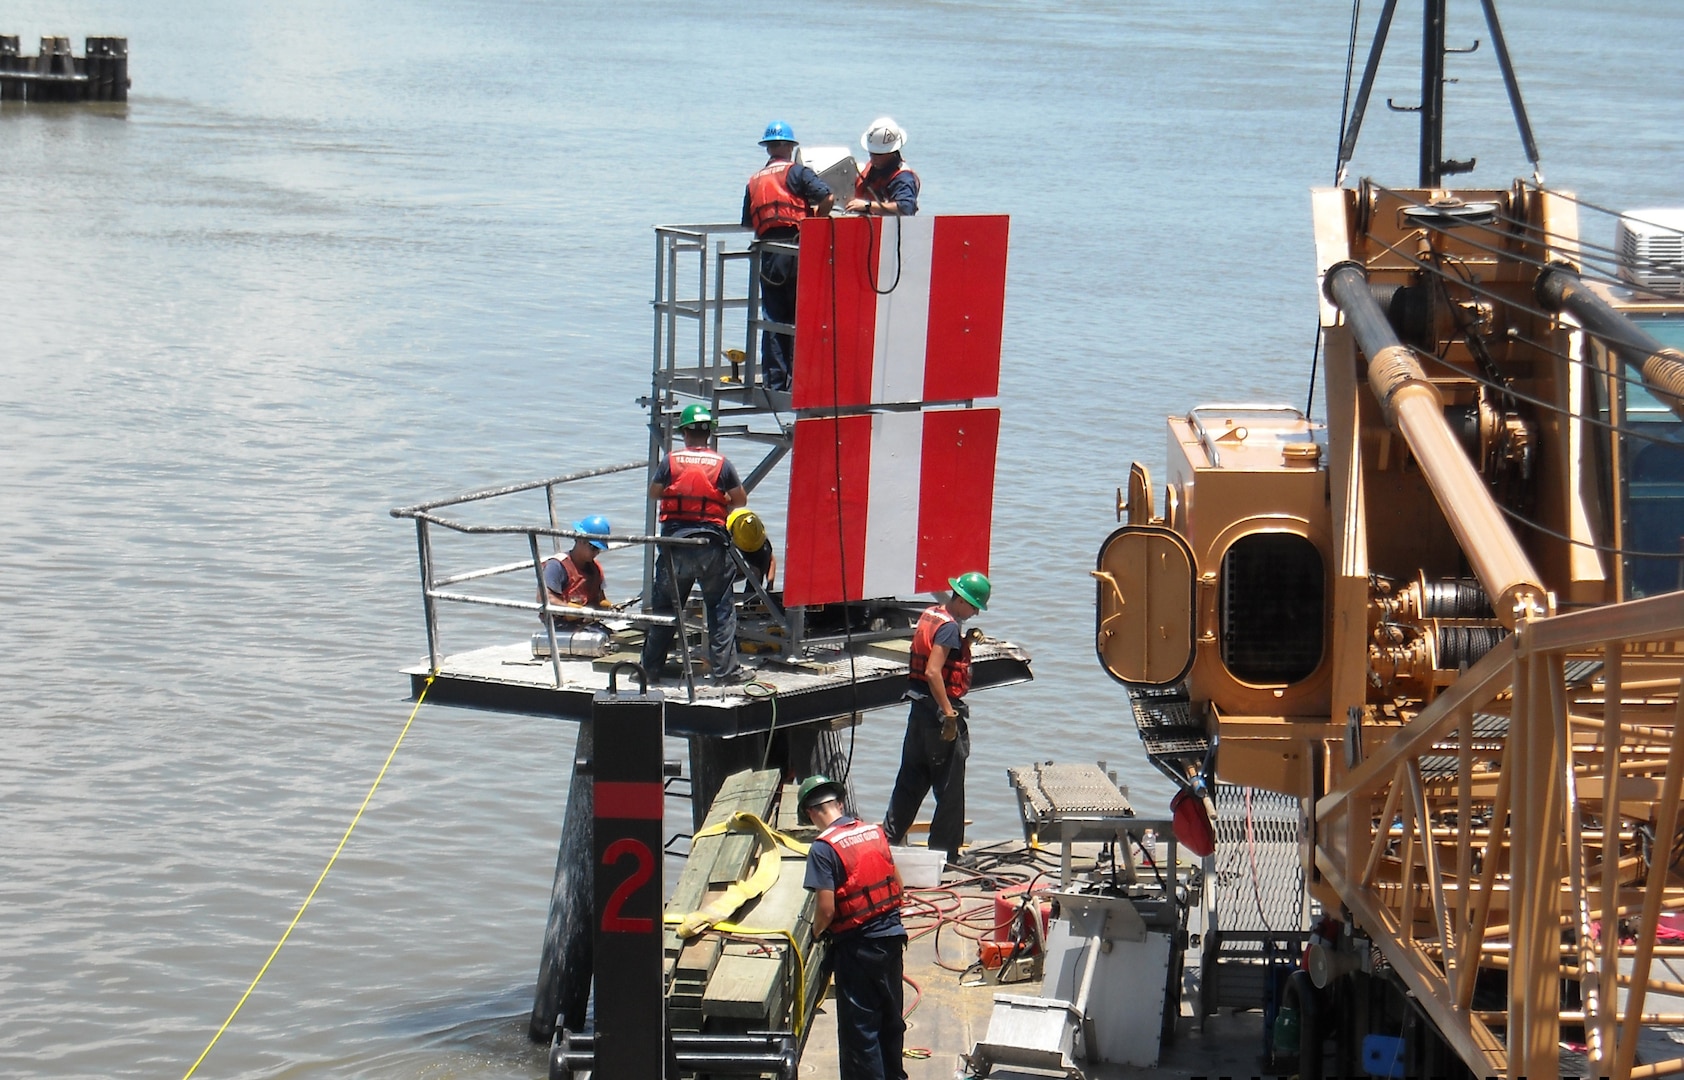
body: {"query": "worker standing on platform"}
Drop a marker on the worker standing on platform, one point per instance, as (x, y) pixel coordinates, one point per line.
(853, 872)
(938, 736)
(887, 186)
(697, 487)
(574, 578)
(776, 201)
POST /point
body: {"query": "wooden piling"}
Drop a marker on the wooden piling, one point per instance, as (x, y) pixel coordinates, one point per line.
(56, 74)
(10, 61)
(107, 66)
(564, 969)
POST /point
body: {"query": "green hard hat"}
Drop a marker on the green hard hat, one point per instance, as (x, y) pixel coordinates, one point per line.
(820, 788)
(695, 414)
(972, 588)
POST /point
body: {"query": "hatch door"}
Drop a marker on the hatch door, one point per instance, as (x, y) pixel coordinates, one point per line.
(1143, 628)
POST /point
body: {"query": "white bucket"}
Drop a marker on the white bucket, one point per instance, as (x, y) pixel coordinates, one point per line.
(920, 868)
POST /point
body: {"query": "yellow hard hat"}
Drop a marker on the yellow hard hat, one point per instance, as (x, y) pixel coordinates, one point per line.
(746, 530)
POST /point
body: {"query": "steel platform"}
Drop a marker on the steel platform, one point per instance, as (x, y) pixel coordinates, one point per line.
(506, 678)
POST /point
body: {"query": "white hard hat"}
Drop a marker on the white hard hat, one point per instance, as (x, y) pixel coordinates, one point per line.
(884, 136)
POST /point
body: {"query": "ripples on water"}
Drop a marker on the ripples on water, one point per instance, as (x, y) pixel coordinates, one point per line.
(335, 258)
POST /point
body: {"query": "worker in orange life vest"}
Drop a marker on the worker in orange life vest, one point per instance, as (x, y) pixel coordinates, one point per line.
(887, 186)
(938, 737)
(697, 487)
(778, 198)
(858, 887)
(574, 578)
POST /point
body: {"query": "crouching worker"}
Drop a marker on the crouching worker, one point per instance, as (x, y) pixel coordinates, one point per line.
(858, 888)
(748, 534)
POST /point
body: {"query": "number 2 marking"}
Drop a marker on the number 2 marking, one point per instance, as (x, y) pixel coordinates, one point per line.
(612, 921)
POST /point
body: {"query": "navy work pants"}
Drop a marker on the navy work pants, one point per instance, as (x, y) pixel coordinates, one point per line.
(869, 1030)
(927, 762)
(777, 301)
(677, 571)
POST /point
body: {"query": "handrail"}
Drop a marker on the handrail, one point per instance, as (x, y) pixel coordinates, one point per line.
(566, 534)
(530, 485)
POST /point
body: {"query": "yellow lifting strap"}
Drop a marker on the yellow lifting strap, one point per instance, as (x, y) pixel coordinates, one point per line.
(715, 915)
(739, 893)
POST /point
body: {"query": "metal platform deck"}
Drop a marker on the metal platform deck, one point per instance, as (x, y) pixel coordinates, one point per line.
(506, 678)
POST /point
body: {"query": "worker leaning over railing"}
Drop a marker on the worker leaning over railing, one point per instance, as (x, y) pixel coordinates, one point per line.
(778, 198)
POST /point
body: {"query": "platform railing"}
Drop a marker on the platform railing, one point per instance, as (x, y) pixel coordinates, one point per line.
(436, 588)
(1528, 822)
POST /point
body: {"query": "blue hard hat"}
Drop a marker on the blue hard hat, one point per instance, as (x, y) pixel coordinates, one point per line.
(596, 524)
(777, 131)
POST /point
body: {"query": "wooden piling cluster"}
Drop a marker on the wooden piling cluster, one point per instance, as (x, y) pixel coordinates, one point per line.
(720, 984)
(55, 74)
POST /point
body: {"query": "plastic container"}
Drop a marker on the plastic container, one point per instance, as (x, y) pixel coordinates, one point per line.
(920, 868)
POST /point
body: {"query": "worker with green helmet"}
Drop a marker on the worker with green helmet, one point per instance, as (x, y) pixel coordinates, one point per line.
(938, 738)
(697, 487)
(857, 891)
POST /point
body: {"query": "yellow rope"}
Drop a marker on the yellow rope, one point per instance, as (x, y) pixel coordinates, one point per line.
(331, 860)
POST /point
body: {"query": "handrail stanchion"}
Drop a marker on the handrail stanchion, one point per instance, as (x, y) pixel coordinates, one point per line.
(549, 501)
(544, 608)
(430, 609)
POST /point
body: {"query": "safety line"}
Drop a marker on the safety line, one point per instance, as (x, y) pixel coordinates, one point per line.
(331, 860)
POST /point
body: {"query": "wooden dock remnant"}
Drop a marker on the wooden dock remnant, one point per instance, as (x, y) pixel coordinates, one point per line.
(56, 74)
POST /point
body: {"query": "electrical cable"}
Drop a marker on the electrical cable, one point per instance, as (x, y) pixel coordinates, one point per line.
(841, 534)
(1315, 357)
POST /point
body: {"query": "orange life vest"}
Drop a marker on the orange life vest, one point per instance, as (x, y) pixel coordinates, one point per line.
(868, 888)
(956, 671)
(771, 203)
(693, 494)
(878, 191)
(584, 583)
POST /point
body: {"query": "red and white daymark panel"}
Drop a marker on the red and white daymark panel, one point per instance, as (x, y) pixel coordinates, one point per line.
(893, 310)
(888, 503)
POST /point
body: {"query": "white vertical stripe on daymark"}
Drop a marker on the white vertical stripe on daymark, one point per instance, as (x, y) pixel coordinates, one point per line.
(891, 519)
(903, 312)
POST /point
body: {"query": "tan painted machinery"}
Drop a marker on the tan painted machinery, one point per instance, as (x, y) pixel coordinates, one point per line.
(1447, 621)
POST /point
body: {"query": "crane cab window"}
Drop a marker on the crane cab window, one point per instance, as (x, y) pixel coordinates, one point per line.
(1651, 485)
(1272, 608)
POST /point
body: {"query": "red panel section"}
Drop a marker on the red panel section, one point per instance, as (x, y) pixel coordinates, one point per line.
(956, 494)
(967, 308)
(620, 799)
(816, 551)
(835, 312)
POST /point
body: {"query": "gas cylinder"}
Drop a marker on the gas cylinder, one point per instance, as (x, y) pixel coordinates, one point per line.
(585, 642)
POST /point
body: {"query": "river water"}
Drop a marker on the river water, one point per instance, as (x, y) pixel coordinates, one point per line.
(333, 258)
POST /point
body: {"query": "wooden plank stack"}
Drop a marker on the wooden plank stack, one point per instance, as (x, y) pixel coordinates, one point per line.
(721, 983)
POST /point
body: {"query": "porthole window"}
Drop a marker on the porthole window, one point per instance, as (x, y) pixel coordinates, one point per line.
(1273, 608)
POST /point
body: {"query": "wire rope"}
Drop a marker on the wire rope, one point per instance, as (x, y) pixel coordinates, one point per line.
(1350, 69)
